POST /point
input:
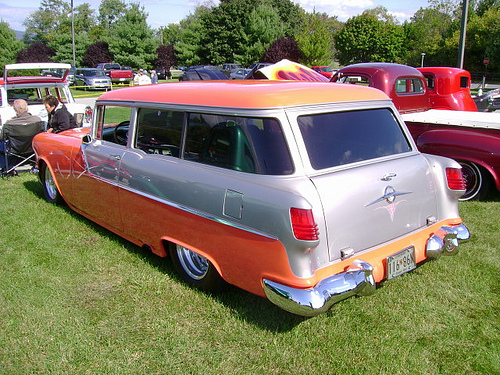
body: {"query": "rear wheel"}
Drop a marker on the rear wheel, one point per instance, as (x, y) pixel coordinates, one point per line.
(50, 190)
(477, 182)
(195, 269)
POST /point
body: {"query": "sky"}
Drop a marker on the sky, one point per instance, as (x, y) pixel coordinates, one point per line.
(163, 12)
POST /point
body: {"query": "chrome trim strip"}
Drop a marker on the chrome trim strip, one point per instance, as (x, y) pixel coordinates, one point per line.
(320, 298)
(198, 213)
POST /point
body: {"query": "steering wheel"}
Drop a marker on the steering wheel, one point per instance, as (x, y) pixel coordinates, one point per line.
(121, 133)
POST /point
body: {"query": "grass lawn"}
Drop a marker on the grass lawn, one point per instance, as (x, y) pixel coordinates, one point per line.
(76, 299)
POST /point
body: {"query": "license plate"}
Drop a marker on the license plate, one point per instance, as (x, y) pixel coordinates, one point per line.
(401, 262)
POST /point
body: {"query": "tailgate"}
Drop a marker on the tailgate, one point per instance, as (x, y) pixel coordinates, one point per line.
(368, 205)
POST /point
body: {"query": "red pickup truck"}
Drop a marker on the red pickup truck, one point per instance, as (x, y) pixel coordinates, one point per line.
(437, 107)
(116, 72)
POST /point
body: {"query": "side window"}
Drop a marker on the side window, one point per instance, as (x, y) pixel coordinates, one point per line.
(464, 82)
(113, 124)
(430, 82)
(159, 131)
(355, 80)
(252, 145)
(409, 86)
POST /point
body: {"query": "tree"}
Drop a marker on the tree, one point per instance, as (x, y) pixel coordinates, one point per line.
(97, 53)
(315, 41)
(223, 31)
(283, 48)
(131, 41)
(365, 38)
(426, 33)
(190, 42)
(263, 28)
(170, 34)
(166, 57)
(45, 22)
(483, 40)
(110, 11)
(36, 52)
(9, 45)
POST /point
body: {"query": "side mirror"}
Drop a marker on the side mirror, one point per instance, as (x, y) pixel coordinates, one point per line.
(86, 139)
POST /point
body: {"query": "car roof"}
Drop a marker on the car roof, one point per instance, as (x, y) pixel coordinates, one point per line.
(34, 79)
(245, 94)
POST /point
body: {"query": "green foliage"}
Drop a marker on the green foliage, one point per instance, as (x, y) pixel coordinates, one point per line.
(224, 31)
(315, 41)
(49, 20)
(64, 48)
(171, 34)
(364, 38)
(133, 43)
(426, 33)
(9, 45)
(264, 27)
(190, 45)
(483, 40)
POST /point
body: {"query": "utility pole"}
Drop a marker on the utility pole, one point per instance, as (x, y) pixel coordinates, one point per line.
(463, 30)
(73, 32)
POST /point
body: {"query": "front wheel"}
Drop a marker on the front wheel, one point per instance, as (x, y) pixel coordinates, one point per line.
(195, 269)
(477, 182)
(50, 190)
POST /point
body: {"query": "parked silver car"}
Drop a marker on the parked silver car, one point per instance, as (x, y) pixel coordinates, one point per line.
(303, 192)
(239, 73)
(92, 79)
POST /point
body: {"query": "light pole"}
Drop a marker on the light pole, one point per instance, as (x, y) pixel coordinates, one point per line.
(463, 30)
(73, 32)
(422, 63)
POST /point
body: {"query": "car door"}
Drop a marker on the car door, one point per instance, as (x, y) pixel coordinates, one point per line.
(97, 184)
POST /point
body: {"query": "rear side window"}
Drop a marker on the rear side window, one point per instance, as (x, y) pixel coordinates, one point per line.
(252, 145)
(464, 82)
(338, 138)
(409, 86)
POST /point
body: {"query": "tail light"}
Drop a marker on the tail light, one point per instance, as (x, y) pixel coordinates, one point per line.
(455, 179)
(303, 224)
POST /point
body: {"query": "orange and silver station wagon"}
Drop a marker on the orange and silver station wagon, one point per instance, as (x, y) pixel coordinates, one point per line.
(302, 192)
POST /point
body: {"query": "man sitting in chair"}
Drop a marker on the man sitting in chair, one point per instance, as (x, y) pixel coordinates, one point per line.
(20, 131)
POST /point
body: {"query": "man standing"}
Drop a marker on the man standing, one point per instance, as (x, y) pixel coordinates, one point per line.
(59, 117)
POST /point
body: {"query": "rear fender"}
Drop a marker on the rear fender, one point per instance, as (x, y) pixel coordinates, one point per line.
(482, 149)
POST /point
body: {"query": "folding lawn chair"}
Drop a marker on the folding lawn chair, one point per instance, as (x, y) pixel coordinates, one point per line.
(16, 146)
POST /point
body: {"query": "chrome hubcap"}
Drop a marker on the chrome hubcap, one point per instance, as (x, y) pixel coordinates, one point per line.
(50, 185)
(195, 265)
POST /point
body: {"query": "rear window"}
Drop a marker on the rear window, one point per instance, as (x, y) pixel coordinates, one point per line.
(338, 138)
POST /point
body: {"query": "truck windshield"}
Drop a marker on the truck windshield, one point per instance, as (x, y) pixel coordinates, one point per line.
(338, 138)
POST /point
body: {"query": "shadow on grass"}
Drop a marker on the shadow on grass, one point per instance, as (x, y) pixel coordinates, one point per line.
(249, 307)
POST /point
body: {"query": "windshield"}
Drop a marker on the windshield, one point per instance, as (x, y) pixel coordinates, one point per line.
(338, 138)
(94, 73)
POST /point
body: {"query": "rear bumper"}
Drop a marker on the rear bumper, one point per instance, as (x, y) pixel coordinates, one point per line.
(357, 280)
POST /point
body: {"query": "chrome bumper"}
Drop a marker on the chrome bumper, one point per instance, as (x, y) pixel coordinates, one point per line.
(445, 241)
(358, 280)
(313, 301)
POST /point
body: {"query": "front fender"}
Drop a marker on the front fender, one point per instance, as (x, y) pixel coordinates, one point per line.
(479, 146)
